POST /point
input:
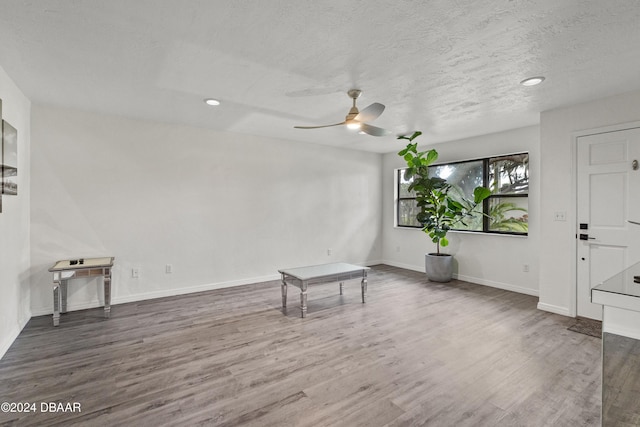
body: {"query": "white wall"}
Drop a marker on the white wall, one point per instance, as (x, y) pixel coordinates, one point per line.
(222, 208)
(557, 129)
(14, 222)
(494, 260)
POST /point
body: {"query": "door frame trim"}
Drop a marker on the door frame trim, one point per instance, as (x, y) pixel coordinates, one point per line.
(573, 215)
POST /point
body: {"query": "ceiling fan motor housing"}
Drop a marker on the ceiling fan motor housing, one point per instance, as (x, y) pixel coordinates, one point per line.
(354, 93)
(353, 112)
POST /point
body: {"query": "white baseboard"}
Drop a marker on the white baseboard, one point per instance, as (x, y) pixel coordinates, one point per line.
(499, 285)
(194, 289)
(8, 340)
(40, 311)
(405, 266)
(13, 334)
(471, 279)
(564, 311)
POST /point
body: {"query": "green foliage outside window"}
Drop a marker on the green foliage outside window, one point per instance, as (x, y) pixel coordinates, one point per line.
(505, 211)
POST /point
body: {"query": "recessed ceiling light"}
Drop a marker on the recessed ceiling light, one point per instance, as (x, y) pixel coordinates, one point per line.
(532, 81)
(211, 101)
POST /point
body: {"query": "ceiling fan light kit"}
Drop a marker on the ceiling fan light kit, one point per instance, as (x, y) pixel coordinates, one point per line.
(356, 119)
(353, 125)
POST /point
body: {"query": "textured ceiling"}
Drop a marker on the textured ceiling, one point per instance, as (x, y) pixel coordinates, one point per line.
(450, 68)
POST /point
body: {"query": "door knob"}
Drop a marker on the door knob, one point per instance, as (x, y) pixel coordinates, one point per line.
(586, 237)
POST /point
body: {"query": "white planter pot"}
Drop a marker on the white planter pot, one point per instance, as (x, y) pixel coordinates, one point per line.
(439, 268)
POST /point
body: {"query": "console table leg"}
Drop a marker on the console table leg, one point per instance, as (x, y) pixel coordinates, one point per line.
(63, 296)
(341, 287)
(56, 303)
(107, 293)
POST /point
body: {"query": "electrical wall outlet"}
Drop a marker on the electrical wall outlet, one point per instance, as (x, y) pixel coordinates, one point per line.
(168, 268)
(559, 216)
(329, 251)
(525, 268)
(135, 273)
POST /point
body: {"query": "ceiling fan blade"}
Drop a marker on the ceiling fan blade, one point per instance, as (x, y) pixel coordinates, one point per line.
(373, 130)
(372, 112)
(317, 127)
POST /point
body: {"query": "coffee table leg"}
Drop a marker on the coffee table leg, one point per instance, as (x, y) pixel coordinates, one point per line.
(341, 287)
(283, 287)
(303, 299)
(364, 287)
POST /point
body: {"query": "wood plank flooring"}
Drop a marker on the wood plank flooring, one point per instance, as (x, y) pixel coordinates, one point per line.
(621, 370)
(417, 353)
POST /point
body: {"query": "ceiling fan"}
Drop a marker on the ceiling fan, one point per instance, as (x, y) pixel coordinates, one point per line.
(356, 119)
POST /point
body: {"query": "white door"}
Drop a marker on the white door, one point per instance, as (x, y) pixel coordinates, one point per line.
(608, 197)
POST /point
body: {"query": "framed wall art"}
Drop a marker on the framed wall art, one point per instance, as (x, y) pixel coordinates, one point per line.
(9, 159)
(1, 162)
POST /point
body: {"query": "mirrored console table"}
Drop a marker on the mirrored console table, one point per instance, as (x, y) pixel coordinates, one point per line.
(620, 300)
(67, 269)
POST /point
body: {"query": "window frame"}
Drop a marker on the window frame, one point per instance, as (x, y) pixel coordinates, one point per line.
(486, 161)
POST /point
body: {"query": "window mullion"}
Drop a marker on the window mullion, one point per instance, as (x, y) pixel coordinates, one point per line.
(485, 202)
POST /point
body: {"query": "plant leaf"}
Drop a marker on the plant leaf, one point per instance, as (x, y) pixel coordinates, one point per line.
(432, 156)
(480, 193)
(454, 205)
(412, 137)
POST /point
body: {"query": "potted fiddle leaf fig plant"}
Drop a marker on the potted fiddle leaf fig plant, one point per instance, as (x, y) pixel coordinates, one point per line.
(438, 210)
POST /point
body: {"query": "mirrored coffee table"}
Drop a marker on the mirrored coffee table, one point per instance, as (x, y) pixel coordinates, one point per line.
(302, 277)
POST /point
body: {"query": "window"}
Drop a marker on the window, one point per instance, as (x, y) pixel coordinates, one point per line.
(506, 210)
(407, 205)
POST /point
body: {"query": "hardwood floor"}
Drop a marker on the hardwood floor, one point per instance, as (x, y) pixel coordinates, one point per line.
(417, 353)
